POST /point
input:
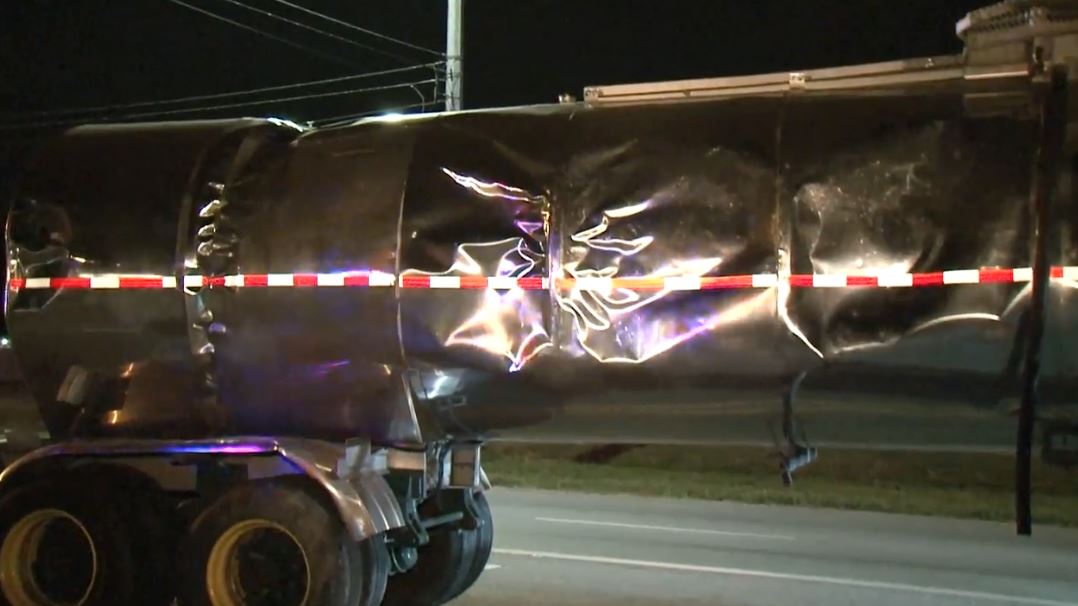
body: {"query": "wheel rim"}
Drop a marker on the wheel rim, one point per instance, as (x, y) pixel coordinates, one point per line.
(257, 563)
(40, 563)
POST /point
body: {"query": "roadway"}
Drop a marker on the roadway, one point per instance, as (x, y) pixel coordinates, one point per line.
(594, 550)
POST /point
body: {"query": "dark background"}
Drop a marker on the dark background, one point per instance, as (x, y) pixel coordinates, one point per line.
(57, 54)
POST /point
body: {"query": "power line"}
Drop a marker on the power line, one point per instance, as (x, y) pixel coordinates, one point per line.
(346, 118)
(232, 105)
(306, 49)
(320, 31)
(360, 29)
(105, 108)
(352, 91)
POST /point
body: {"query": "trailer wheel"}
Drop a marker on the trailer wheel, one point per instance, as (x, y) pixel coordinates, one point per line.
(484, 538)
(440, 573)
(64, 545)
(277, 543)
(370, 573)
(154, 526)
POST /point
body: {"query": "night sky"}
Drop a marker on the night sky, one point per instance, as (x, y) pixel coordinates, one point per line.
(59, 54)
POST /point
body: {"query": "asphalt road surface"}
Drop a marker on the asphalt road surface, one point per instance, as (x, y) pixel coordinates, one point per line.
(590, 550)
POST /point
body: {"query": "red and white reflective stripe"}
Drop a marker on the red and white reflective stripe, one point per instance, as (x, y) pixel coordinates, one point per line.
(290, 280)
(899, 280)
(593, 284)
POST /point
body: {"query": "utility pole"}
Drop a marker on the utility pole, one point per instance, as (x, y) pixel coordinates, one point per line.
(454, 56)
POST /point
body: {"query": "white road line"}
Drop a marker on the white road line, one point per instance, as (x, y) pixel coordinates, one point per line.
(782, 576)
(724, 533)
(492, 566)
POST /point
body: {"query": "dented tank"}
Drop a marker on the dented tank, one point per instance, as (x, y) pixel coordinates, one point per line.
(856, 264)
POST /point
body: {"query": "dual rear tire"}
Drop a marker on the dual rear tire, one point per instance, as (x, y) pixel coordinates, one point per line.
(97, 539)
(67, 542)
(449, 565)
(278, 543)
(299, 553)
(102, 538)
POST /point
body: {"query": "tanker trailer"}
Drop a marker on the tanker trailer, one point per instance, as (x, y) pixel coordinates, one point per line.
(266, 357)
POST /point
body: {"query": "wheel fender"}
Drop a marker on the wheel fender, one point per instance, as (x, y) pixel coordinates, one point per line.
(359, 492)
(363, 498)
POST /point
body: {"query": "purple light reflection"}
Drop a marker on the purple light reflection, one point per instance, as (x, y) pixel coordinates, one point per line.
(529, 227)
(324, 369)
(235, 448)
(647, 336)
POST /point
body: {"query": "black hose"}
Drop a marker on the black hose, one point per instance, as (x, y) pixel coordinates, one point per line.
(1053, 125)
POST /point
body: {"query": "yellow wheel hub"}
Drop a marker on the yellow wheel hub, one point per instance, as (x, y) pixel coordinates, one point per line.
(20, 551)
(224, 581)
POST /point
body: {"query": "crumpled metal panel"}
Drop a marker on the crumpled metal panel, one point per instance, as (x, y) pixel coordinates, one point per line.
(908, 187)
(814, 185)
(476, 211)
(689, 196)
(701, 272)
(929, 195)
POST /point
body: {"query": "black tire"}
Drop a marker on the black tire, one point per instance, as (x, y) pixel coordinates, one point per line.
(95, 519)
(484, 544)
(440, 572)
(318, 559)
(155, 527)
(370, 573)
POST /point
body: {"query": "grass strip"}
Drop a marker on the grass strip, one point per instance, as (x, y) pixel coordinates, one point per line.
(959, 485)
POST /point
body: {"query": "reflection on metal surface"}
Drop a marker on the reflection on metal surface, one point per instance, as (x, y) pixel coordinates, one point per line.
(489, 330)
(547, 272)
(490, 190)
